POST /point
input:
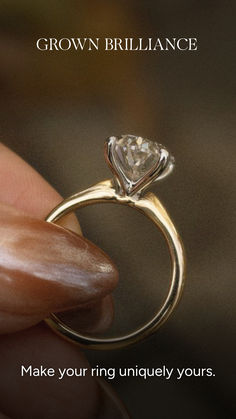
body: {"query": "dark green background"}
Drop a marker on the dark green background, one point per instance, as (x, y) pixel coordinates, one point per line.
(57, 109)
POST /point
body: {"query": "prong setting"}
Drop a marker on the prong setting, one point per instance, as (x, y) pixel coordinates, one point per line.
(136, 162)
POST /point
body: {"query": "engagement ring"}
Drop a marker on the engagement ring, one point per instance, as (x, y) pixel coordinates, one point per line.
(136, 163)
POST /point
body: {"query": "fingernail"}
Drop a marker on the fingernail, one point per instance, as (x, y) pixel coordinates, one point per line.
(45, 268)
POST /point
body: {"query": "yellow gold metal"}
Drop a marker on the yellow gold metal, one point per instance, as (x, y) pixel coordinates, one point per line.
(150, 206)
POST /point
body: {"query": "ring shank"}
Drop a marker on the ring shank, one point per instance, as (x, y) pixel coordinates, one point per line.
(150, 206)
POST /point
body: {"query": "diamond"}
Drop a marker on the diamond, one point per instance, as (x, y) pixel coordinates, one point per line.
(136, 162)
(135, 156)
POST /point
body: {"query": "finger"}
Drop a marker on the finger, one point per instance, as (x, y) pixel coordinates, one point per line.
(92, 318)
(37, 395)
(23, 187)
(33, 398)
(44, 396)
(35, 281)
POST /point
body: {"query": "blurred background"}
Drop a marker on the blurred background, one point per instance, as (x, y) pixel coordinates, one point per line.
(56, 110)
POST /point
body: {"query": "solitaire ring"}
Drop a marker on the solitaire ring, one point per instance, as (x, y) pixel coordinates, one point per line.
(135, 163)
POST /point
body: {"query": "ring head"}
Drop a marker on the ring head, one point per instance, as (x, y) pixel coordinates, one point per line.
(136, 162)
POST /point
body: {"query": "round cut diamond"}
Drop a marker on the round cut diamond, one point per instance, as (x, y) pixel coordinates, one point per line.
(136, 155)
(136, 162)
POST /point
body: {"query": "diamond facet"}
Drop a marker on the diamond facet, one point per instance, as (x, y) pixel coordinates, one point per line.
(136, 156)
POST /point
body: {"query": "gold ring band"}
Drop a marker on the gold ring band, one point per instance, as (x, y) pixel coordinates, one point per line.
(151, 207)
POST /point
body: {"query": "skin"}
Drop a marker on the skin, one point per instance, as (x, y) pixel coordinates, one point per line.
(48, 269)
(32, 252)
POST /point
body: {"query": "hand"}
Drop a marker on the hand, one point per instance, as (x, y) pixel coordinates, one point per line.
(45, 268)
